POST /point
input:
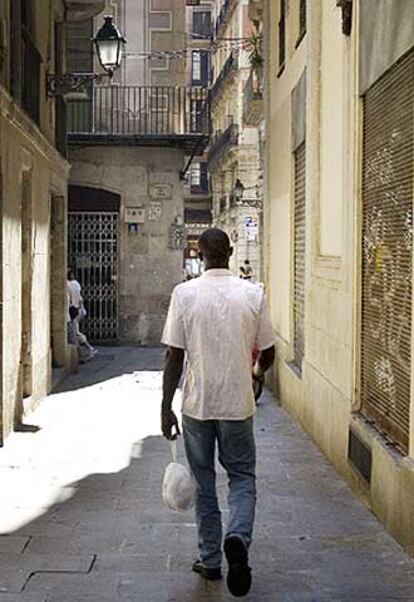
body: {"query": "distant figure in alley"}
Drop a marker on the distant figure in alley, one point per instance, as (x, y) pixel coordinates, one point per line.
(215, 322)
(76, 314)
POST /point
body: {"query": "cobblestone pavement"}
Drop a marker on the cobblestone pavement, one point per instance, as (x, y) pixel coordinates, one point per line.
(81, 519)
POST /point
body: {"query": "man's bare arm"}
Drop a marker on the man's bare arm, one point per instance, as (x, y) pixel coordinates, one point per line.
(265, 361)
(173, 369)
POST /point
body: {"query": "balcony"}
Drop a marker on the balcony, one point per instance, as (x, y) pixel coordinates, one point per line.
(230, 67)
(222, 142)
(172, 116)
(252, 101)
(256, 10)
(224, 16)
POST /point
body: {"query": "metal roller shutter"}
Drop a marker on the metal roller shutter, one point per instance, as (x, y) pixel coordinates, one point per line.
(387, 206)
(299, 256)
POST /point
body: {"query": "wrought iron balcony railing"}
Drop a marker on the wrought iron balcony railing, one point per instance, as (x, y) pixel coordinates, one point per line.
(222, 142)
(230, 66)
(140, 114)
(252, 101)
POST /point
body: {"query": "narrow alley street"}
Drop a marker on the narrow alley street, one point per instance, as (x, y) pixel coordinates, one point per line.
(81, 516)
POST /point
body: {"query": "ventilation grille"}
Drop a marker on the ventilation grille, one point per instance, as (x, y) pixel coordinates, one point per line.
(360, 456)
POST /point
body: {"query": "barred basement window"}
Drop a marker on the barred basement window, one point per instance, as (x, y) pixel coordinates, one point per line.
(387, 248)
(299, 256)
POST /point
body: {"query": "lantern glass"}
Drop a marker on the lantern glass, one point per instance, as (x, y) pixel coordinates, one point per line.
(108, 42)
(109, 54)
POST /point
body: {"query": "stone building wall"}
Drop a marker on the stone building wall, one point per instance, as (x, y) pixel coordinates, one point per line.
(146, 179)
(33, 189)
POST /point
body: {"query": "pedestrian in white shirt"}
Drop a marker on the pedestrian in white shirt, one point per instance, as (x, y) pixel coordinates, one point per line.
(77, 313)
(215, 322)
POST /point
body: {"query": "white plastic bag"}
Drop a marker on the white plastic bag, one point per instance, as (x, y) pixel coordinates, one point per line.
(178, 488)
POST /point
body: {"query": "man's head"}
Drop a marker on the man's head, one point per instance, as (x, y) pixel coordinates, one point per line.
(215, 249)
(71, 273)
(247, 262)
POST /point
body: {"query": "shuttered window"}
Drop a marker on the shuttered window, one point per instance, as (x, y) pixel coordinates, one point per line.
(299, 256)
(387, 207)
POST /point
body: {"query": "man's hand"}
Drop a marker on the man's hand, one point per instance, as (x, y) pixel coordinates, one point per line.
(168, 422)
(174, 360)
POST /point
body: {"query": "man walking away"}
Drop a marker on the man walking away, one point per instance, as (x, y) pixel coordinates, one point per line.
(216, 321)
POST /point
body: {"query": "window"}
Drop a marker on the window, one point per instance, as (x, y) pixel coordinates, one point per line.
(79, 46)
(200, 68)
(201, 24)
(79, 53)
(199, 177)
(302, 20)
(25, 59)
(195, 175)
(387, 250)
(196, 66)
(282, 35)
(60, 103)
(299, 256)
(196, 115)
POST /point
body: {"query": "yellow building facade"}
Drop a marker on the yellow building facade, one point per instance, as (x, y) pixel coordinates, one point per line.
(338, 236)
(33, 191)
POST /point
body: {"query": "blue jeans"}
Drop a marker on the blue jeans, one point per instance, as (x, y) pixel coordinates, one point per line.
(237, 455)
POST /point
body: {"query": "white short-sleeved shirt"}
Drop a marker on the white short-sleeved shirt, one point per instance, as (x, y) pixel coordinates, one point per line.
(218, 319)
(74, 290)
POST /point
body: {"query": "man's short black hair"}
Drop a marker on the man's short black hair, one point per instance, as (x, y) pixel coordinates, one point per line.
(214, 244)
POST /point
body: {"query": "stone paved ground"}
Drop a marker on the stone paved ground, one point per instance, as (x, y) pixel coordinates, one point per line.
(82, 521)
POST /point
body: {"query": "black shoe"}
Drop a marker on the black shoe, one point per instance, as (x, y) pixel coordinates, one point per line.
(239, 578)
(209, 574)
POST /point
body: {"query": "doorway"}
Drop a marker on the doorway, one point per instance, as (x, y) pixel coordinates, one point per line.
(93, 240)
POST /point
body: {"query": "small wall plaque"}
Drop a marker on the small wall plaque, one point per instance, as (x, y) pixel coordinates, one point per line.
(160, 191)
(134, 215)
(154, 211)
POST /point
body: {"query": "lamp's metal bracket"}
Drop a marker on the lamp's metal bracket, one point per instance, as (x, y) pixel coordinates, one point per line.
(60, 85)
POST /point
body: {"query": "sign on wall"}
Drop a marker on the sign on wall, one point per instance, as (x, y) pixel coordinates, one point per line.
(160, 191)
(154, 211)
(251, 228)
(134, 215)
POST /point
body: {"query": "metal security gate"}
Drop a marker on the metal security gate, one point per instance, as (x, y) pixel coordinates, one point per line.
(93, 250)
(387, 247)
(299, 256)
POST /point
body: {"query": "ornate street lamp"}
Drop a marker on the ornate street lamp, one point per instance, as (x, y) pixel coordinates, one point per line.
(109, 44)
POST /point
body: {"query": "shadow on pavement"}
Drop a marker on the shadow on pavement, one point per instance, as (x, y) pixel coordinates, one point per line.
(110, 540)
(111, 362)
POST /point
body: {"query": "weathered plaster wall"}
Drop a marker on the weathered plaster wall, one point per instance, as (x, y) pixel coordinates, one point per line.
(24, 150)
(149, 269)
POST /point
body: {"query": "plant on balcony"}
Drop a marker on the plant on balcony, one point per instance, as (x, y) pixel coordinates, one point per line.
(256, 56)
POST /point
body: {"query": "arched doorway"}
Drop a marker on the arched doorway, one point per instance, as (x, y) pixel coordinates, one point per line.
(93, 250)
